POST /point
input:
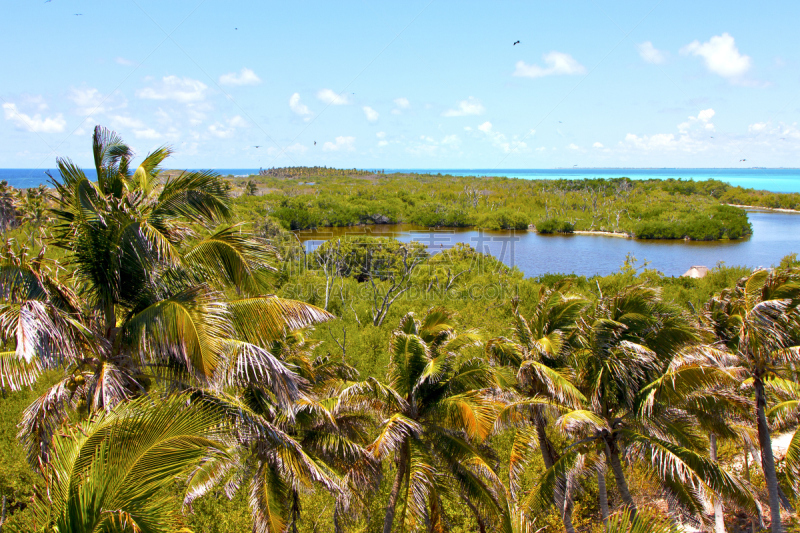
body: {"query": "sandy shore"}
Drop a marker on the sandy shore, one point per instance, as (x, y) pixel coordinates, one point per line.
(604, 233)
(759, 208)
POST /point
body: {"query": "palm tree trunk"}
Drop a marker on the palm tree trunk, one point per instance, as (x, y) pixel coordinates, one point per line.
(767, 459)
(612, 454)
(719, 519)
(295, 510)
(475, 512)
(760, 522)
(337, 527)
(550, 457)
(601, 489)
(395, 494)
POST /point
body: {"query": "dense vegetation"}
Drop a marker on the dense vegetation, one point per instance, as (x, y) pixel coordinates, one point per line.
(301, 198)
(164, 370)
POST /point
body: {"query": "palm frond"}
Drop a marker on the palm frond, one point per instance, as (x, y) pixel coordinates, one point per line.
(625, 521)
(230, 257)
(262, 320)
(16, 373)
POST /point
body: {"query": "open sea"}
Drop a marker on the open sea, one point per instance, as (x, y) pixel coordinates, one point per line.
(769, 179)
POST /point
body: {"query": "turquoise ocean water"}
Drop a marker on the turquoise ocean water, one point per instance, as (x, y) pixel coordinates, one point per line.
(770, 179)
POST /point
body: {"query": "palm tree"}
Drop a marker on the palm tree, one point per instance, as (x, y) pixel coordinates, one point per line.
(537, 351)
(282, 450)
(757, 322)
(442, 411)
(33, 209)
(160, 291)
(627, 345)
(113, 473)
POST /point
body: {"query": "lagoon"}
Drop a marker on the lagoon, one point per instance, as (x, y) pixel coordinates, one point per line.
(775, 235)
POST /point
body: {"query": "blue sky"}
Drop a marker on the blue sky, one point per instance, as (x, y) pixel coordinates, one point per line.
(413, 84)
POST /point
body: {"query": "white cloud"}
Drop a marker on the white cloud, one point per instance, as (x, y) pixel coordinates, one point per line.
(721, 56)
(451, 140)
(119, 121)
(183, 90)
(401, 103)
(35, 123)
(703, 119)
(148, 133)
(125, 62)
(297, 107)
(342, 143)
(470, 106)
(775, 135)
(557, 63)
(383, 143)
(650, 54)
(331, 98)
(371, 114)
(244, 77)
(573, 146)
(653, 142)
(381, 135)
(692, 136)
(226, 131)
(597, 145)
(501, 141)
(90, 101)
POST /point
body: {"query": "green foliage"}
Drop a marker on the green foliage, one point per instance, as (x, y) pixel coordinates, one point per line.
(553, 225)
(652, 209)
(558, 360)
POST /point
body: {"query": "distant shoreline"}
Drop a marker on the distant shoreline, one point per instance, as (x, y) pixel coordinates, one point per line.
(760, 208)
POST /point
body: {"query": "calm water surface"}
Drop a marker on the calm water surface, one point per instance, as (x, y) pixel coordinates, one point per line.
(775, 235)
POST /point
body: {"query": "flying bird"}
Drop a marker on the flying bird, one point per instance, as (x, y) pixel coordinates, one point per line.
(742, 160)
(315, 143)
(515, 44)
(559, 122)
(256, 147)
(78, 14)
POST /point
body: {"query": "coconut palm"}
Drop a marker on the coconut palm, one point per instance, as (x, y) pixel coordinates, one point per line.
(113, 473)
(442, 412)
(33, 209)
(164, 291)
(283, 450)
(627, 344)
(534, 356)
(758, 323)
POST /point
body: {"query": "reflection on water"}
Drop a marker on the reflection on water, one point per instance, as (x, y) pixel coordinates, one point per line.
(774, 236)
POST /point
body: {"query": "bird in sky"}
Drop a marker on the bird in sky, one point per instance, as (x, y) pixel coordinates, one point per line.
(559, 122)
(45, 1)
(256, 146)
(315, 143)
(78, 14)
(235, 28)
(515, 44)
(742, 160)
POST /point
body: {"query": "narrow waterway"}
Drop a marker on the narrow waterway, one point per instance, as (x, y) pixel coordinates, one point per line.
(775, 235)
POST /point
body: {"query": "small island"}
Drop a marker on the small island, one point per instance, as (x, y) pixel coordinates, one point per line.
(316, 197)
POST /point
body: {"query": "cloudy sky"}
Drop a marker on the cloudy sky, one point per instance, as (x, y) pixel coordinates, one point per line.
(412, 84)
